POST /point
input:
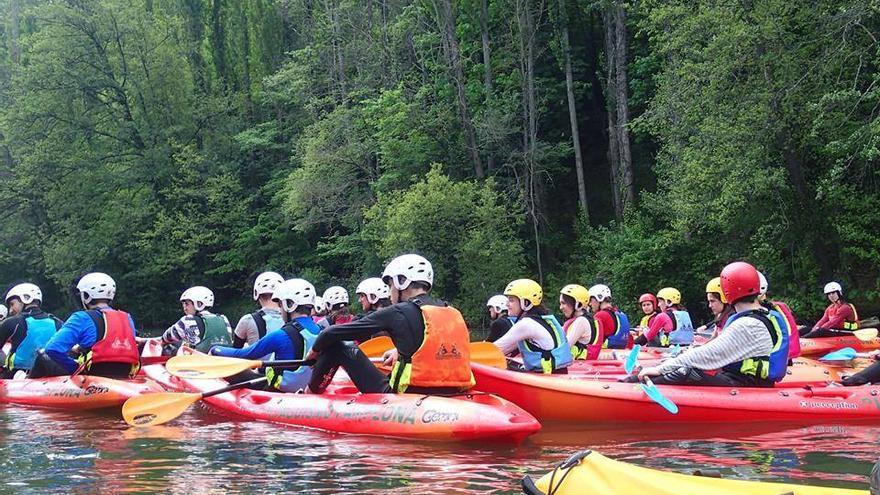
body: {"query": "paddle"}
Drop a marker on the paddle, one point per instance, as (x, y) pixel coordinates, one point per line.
(158, 408)
(845, 354)
(376, 346)
(632, 359)
(485, 353)
(648, 386)
(204, 366)
(866, 334)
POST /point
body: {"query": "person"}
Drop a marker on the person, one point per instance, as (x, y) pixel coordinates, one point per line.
(752, 351)
(537, 334)
(104, 336)
(373, 295)
(648, 304)
(870, 374)
(583, 334)
(794, 341)
(254, 326)
(672, 326)
(422, 362)
(719, 307)
(501, 321)
(320, 309)
(293, 341)
(613, 323)
(338, 311)
(198, 327)
(840, 316)
(27, 330)
(3, 312)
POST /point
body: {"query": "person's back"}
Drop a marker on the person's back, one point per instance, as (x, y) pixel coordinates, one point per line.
(28, 330)
(254, 326)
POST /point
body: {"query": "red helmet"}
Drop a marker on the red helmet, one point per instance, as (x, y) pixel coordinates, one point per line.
(648, 297)
(738, 280)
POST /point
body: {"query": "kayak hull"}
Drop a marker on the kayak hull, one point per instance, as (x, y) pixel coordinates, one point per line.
(824, 345)
(74, 393)
(567, 398)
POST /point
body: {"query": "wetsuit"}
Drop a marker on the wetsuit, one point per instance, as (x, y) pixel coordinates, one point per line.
(498, 328)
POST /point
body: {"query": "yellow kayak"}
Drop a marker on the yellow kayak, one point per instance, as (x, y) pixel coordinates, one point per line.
(591, 472)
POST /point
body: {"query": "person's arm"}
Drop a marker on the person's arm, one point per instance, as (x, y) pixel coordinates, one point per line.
(523, 329)
(498, 328)
(175, 333)
(273, 342)
(74, 331)
(363, 329)
(658, 323)
(245, 325)
(844, 313)
(7, 329)
(826, 317)
(743, 339)
(579, 328)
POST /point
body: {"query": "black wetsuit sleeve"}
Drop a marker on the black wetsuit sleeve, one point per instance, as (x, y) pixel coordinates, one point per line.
(7, 328)
(640, 340)
(361, 329)
(498, 328)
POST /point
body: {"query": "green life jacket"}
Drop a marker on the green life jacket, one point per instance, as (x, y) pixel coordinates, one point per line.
(213, 331)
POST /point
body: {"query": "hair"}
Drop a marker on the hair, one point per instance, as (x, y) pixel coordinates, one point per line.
(537, 310)
(415, 284)
(340, 309)
(747, 299)
(263, 297)
(716, 295)
(382, 303)
(302, 309)
(569, 300)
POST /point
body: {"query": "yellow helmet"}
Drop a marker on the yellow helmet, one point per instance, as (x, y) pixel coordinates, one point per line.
(671, 294)
(579, 293)
(714, 286)
(526, 290)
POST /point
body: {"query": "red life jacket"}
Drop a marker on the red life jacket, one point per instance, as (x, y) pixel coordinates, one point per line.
(115, 342)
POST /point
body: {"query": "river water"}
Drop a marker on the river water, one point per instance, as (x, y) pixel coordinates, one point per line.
(203, 453)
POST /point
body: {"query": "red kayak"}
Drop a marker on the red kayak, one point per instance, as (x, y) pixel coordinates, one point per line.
(823, 345)
(74, 393)
(567, 398)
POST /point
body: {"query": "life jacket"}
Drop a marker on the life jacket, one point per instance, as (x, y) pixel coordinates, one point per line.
(340, 319)
(512, 319)
(646, 320)
(591, 349)
(546, 360)
(443, 359)
(212, 330)
(794, 340)
(264, 324)
(302, 332)
(38, 331)
(618, 337)
(115, 342)
(774, 366)
(850, 325)
(682, 332)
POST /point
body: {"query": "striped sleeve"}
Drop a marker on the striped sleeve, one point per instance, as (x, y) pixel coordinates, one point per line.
(744, 338)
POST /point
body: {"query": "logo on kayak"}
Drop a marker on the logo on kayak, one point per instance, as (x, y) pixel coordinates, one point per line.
(185, 373)
(95, 389)
(828, 405)
(143, 419)
(444, 353)
(431, 416)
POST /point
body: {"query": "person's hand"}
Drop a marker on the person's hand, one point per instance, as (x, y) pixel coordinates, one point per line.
(390, 357)
(875, 354)
(649, 372)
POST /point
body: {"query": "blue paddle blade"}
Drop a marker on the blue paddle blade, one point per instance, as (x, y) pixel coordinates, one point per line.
(844, 354)
(632, 359)
(675, 351)
(651, 391)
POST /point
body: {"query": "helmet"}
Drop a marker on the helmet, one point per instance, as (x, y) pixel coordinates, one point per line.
(320, 305)
(3, 311)
(335, 295)
(294, 293)
(579, 293)
(409, 267)
(96, 285)
(648, 297)
(374, 288)
(26, 292)
(738, 280)
(762, 283)
(714, 286)
(833, 287)
(601, 292)
(526, 290)
(671, 294)
(498, 302)
(265, 283)
(202, 297)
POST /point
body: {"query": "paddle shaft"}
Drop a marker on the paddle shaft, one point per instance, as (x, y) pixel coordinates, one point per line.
(235, 386)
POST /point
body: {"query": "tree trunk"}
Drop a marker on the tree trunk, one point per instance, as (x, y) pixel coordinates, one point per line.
(572, 111)
(622, 99)
(15, 49)
(610, 95)
(218, 40)
(487, 69)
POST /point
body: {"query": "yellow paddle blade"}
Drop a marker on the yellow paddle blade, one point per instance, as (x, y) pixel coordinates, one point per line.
(866, 334)
(203, 366)
(488, 354)
(377, 346)
(155, 409)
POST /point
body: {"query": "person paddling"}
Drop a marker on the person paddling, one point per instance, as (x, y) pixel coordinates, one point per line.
(840, 317)
(501, 321)
(719, 307)
(254, 326)
(613, 322)
(752, 351)
(104, 336)
(293, 341)
(436, 361)
(582, 332)
(27, 330)
(537, 334)
(672, 326)
(198, 327)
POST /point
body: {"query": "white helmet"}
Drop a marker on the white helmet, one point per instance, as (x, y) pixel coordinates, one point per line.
(763, 283)
(26, 292)
(833, 287)
(600, 292)
(202, 297)
(3, 311)
(498, 302)
(96, 285)
(320, 305)
(266, 283)
(335, 295)
(294, 293)
(374, 288)
(410, 267)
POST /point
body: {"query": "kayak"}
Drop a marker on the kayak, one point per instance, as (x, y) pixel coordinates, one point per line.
(823, 345)
(74, 393)
(568, 398)
(342, 409)
(591, 472)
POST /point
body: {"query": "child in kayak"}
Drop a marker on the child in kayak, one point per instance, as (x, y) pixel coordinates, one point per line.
(338, 312)
(27, 330)
(104, 337)
(613, 322)
(422, 362)
(751, 352)
(673, 324)
(537, 334)
(501, 322)
(292, 341)
(254, 326)
(721, 311)
(584, 335)
(840, 316)
(198, 327)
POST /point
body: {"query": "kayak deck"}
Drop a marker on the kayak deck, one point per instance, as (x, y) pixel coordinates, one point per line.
(79, 392)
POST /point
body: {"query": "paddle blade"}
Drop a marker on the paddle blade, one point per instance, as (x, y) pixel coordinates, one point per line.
(377, 346)
(202, 366)
(158, 408)
(844, 354)
(866, 334)
(654, 394)
(488, 354)
(632, 359)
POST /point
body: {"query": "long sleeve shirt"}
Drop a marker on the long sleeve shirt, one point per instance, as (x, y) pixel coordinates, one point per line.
(580, 330)
(186, 329)
(525, 329)
(79, 329)
(835, 315)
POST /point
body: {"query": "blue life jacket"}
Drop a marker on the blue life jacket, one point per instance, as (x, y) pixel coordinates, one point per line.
(683, 330)
(300, 330)
(546, 360)
(512, 319)
(620, 338)
(774, 366)
(39, 331)
(266, 322)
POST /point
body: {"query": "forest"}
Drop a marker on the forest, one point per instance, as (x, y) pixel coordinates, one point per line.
(639, 143)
